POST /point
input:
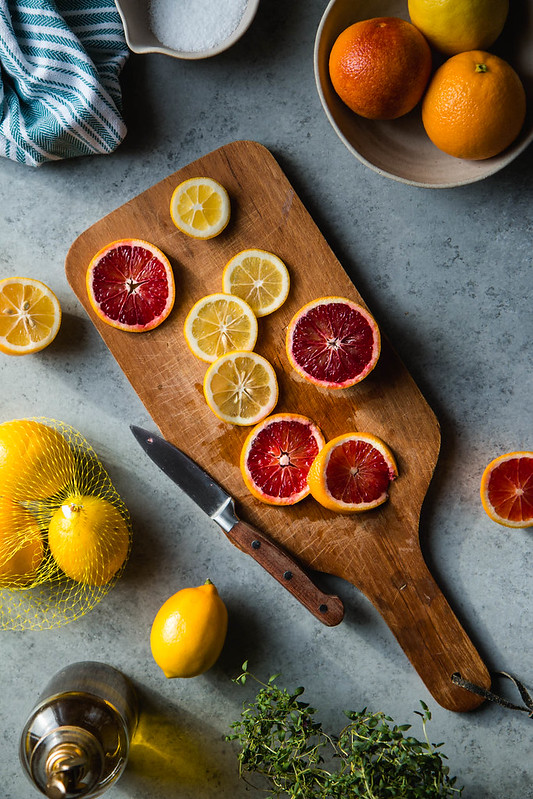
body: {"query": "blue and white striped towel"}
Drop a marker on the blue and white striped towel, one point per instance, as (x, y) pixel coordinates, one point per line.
(60, 94)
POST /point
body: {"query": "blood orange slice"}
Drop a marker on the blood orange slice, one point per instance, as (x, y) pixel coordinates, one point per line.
(507, 489)
(277, 455)
(131, 285)
(352, 473)
(333, 342)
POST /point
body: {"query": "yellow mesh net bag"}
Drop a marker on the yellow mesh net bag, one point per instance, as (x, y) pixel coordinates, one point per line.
(65, 533)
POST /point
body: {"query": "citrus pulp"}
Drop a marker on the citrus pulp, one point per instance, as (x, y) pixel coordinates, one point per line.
(30, 315)
(241, 388)
(475, 106)
(35, 460)
(333, 342)
(455, 26)
(352, 472)
(277, 455)
(89, 539)
(380, 67)
(130, 285)
(21, 544)
(189, 631)
(220, 323)
(507, 489)
(260, 278)
(200, 207)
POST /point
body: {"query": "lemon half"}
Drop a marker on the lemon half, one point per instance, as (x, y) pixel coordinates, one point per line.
(241, 388)
(30, 315)
(200, 207)
(220, 323)
(260, 278)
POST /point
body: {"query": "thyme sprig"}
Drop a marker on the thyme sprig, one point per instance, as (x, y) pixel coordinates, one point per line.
(372, 757)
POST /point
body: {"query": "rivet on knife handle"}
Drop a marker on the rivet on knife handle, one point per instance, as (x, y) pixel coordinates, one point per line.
(328, 608)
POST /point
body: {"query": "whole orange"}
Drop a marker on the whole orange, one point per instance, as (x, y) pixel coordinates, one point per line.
(380, 67)
(475, 106)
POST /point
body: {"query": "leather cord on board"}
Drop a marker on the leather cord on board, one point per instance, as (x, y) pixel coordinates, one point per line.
(500, 700)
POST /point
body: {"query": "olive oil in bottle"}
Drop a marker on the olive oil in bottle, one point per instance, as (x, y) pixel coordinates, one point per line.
(76, 740)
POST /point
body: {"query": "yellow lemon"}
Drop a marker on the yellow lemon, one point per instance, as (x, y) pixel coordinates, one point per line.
(35, 460)
(220, 323)
(260, 278)
(30, 315)
(21, 544)
(189, 631)
(89, 539)
(455, 26)
(200, 207)
(241, 388)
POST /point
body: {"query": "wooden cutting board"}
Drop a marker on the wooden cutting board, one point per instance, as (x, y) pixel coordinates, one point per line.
(378, 551)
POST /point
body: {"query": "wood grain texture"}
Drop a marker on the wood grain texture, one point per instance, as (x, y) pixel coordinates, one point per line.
(379, 551)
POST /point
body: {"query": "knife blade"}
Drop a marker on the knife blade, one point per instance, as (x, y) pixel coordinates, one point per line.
(215, 501)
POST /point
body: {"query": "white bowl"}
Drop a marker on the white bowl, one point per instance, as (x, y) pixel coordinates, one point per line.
(400, 149)
(141, 39)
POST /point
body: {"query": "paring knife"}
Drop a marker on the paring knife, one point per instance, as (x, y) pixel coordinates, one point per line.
(220, 506)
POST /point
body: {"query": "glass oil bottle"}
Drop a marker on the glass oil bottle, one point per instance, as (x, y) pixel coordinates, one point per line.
(76, 740)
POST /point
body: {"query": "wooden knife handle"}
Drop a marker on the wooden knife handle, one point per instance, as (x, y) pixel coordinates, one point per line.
(327, 608)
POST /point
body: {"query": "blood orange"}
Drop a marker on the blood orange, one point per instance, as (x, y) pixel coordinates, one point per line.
(380, 67)
(352, 473)
(507, 489)
(333, 342)
(277, 455)
(131, 285)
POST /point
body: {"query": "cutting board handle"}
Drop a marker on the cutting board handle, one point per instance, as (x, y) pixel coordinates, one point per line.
(424, 624)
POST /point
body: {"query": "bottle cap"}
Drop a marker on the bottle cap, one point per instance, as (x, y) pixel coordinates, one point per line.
(67, 763)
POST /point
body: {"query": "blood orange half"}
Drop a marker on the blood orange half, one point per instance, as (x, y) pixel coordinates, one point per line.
(277, 455)
(507, 489)
(131, 285)
(333, 342)
(352, 473)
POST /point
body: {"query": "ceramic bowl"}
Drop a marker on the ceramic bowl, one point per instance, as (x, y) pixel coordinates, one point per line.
(400, 149)
(141, 39)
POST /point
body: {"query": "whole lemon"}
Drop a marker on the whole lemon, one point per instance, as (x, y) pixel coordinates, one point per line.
(455, 26)
(189, 631)
(21, 544)
(35, 460)
(89, 539)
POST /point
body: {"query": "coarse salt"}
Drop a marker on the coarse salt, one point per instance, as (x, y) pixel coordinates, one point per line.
(195, 25)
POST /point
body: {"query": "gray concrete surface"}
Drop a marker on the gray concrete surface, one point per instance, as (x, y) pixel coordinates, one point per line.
(447, 273)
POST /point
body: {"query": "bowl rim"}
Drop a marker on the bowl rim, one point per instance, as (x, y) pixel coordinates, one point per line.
(501, 163)
(189, 55)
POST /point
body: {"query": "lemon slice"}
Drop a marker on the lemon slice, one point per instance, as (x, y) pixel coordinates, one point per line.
(220, 323)
(200, 207)
(241, 388)
(260, 278)
(30, 315)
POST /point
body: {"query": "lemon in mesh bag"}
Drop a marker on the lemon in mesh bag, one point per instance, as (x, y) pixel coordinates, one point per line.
(35, 460)
(21, 544)
(65, 534)
(88, 539)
